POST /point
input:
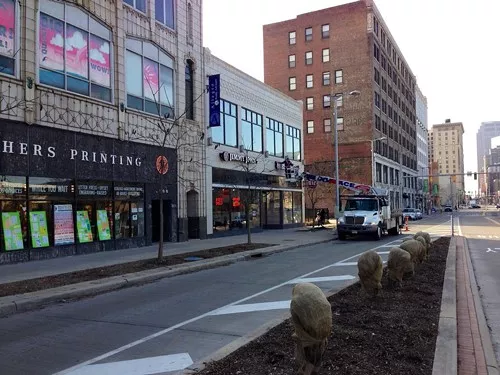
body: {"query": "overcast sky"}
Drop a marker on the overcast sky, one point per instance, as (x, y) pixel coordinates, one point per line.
(452, 46)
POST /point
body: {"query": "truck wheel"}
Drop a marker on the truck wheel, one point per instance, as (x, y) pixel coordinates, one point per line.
(342, 236)
(378, 234)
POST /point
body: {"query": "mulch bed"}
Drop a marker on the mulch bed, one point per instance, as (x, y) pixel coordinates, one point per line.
(392, 334)
(54, 281)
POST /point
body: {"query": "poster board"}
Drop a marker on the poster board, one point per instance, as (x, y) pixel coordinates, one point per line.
(12, 231)
(83, 227)
(39, 229)
(64, 232)
(103, 229)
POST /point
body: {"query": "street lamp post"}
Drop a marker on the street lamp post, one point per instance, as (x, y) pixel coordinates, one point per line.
(335, 110)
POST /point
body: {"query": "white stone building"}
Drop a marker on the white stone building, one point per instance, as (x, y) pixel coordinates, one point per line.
(423, 192)
(85, 88)
(260, 127)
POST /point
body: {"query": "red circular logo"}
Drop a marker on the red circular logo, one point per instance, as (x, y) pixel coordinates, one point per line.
(162, 164)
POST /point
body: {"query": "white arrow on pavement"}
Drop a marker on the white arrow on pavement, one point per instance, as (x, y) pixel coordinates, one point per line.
(490, 251)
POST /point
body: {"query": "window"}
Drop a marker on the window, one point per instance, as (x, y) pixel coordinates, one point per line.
(325, 31)
(226, 133)
(327, 124)
(190, 28)
(274, 137)
(310, 127)
(251, 130)
(309, 58)
(326, 78)
(188, 86)
(340, 123)
(292, 37)
(8, 45)
(377, 122)
(326, 101)
(292, 83)
(309, 81)
(385, 174)
(339, 77)
(164, 13)
(310, 103)
(376, 75)
(149, 78)
(291, 61)
(74, 51)
(293, 143)
(309, 34)
(339, 99)
(377, 100)
(326, 55)
(378, 169)
(137, 4)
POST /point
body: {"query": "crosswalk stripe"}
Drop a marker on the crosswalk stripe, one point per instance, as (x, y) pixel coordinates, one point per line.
(321, 279)
(251, 307)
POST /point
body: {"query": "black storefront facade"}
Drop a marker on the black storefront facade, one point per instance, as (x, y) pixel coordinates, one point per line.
(275, 203)
(67, 193)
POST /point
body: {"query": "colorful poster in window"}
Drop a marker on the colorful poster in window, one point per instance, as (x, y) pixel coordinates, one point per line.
(77, 61)
(103, 228)
(150, 80)
(7, 27)
(51, 42)
(39, 229)
(64, 232)
(83, 227)
(12, 232)
(100, 67)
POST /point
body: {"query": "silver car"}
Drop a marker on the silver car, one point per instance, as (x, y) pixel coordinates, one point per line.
(419, 214)
(410, 213)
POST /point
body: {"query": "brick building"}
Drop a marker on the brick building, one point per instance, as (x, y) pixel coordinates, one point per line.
(84, 85)
(336, 51)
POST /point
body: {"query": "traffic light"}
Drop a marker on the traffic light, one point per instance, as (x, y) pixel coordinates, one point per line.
(475, 176)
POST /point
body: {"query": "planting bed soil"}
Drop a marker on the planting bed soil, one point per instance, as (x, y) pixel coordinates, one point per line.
(54, 281)
(392, 334)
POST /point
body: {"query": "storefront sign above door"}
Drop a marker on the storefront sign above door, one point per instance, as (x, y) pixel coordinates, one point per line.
(229, 156)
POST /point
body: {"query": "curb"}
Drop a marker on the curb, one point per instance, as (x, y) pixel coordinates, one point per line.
(446, 353)
(246, 339)
(30, 301)
(484, 333)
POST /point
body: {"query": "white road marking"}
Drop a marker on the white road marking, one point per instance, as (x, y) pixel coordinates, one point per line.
(143, 366)
(490, 251)
(340, 264)
(251, 307)
(493, 220)
(321, 279)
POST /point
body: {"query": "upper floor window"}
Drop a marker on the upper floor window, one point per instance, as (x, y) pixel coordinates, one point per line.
(310, 126)
(309, 34)
(190, 28)
(137, 4)
(326, 55)
(274, 137)
(309, 81)
(292, 37)
(251, 130)
(292, 83)
(149, 77)
(340, 123)
(326, 101)
(189, 88)
(309, 58)
(326, 78)
(293, 143)
(164, 13)
(291, 61)
(226, 133)
(74, 51)
(8, 45)
(339, 76)
(325, 31)
(327, 124)
(310, 103)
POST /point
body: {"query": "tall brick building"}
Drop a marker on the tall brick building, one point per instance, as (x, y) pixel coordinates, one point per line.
(336, 51)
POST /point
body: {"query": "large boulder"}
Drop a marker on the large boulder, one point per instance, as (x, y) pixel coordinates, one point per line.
(370, 269)
(398, 263)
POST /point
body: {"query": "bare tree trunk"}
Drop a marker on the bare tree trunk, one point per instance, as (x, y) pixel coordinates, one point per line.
(160, 243)
(314, 215)
(249, 229)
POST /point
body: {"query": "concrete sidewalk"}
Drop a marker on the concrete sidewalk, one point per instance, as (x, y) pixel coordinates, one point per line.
(295, 237)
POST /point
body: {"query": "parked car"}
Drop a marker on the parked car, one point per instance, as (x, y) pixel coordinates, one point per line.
(410, 213)
(475, 206)
(419, 214)
(498, 205)
(448, 209)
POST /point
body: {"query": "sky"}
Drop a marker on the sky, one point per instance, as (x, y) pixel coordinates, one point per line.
(452, 46)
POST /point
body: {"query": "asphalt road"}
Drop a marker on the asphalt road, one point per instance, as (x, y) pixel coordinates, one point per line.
(165, 326)
(483, 237)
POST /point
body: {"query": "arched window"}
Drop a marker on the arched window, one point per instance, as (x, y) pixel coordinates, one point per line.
(189, 86)
(8, 37)
(74, 51)
(149, 78)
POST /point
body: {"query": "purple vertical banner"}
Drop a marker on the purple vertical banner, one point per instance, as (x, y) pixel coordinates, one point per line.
(214, 100)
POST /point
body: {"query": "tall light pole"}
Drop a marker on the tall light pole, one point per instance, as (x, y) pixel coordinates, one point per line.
(373, 157)
(335, 110)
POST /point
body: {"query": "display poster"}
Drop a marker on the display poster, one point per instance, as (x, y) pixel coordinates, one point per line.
(150, 79)
(12, 232)
(51, 42)
(39, 229)
(77, 61)
(83, 227)
(8, 27)
(64, 232)
(103, 228)
(100, 68)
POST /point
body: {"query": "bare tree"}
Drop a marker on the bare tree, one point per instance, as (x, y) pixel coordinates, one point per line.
(318, 192)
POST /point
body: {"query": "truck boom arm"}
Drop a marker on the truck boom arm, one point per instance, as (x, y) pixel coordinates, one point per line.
(353, 186)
